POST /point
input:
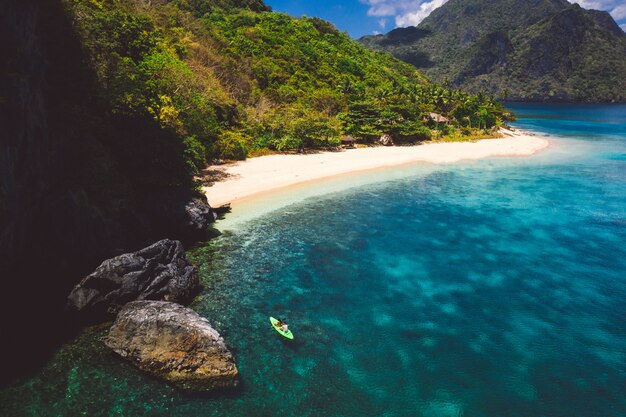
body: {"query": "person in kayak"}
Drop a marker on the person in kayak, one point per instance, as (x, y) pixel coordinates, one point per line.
(282, 325)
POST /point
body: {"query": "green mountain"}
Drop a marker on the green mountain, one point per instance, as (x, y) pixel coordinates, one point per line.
(527, 50)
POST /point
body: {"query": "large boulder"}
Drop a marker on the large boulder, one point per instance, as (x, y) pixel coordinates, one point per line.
(173, 343)
(159, 272)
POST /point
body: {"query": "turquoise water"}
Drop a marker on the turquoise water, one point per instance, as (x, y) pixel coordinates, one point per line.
(486, 288)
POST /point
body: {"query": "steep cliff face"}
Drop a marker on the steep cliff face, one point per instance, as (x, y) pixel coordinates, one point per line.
(537, 50)
(575, 54)
(74, 183)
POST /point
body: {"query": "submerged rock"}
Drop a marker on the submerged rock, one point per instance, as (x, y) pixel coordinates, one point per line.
(173, 343)
(159, 272)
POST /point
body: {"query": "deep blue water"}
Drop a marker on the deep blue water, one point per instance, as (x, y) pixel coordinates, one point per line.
(486, 288)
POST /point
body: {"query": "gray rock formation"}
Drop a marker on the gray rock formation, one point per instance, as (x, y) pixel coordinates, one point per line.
(173, 343)
(187, 217)
(199, 215)
(159, 272)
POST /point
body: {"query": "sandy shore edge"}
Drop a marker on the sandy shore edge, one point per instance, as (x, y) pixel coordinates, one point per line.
(255, 176)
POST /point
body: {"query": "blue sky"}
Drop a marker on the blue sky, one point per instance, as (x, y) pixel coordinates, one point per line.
(365, 17)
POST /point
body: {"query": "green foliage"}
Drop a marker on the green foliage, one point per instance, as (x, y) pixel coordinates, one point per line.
(195, 152)
(315, 130)
(123, 34)
(201, 7)
(327, 101)
(361, 120)
(416, 132)
(230, 78)
(350, 66)
(286, 143)
(232, 145)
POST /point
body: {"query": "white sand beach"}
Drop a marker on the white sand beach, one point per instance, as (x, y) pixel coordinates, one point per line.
(268, 173)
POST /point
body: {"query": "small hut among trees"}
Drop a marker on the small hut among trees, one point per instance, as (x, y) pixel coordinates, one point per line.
(438, 118)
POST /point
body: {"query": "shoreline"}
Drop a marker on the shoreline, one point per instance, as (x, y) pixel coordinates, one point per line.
(254, 177)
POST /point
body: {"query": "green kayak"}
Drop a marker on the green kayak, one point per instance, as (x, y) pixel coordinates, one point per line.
(286, 334)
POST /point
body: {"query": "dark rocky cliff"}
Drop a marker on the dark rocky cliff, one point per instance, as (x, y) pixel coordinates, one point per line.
(77, 184)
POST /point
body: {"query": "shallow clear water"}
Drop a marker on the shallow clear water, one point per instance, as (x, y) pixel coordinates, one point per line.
(486, 288)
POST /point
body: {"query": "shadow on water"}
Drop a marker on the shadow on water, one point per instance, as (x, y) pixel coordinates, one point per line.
(218, 394)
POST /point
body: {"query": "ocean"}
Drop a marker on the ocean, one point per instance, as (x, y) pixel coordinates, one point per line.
(483, 288)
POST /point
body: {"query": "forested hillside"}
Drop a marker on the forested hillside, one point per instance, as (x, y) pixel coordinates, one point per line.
(232, 79)
(545, 50)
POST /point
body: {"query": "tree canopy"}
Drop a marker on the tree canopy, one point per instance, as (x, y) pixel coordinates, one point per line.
(233, 78)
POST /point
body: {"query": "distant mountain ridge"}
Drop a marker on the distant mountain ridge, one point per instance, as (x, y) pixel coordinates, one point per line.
(527, 50)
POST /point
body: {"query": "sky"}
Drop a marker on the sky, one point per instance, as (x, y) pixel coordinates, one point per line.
(367, 17)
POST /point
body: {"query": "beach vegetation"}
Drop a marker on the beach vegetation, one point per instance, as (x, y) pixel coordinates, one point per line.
(232, 145)
(231, 79)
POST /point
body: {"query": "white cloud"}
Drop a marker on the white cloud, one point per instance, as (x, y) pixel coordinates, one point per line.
(606, 5)
(593, 4)
(623, 27)
(414, 18)
(619, 12)
(405, 12)
(412, 12)
(381, 7)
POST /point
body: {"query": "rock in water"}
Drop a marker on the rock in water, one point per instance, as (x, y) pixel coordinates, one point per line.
(159, 272)
(173, 343)
(199, 215)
